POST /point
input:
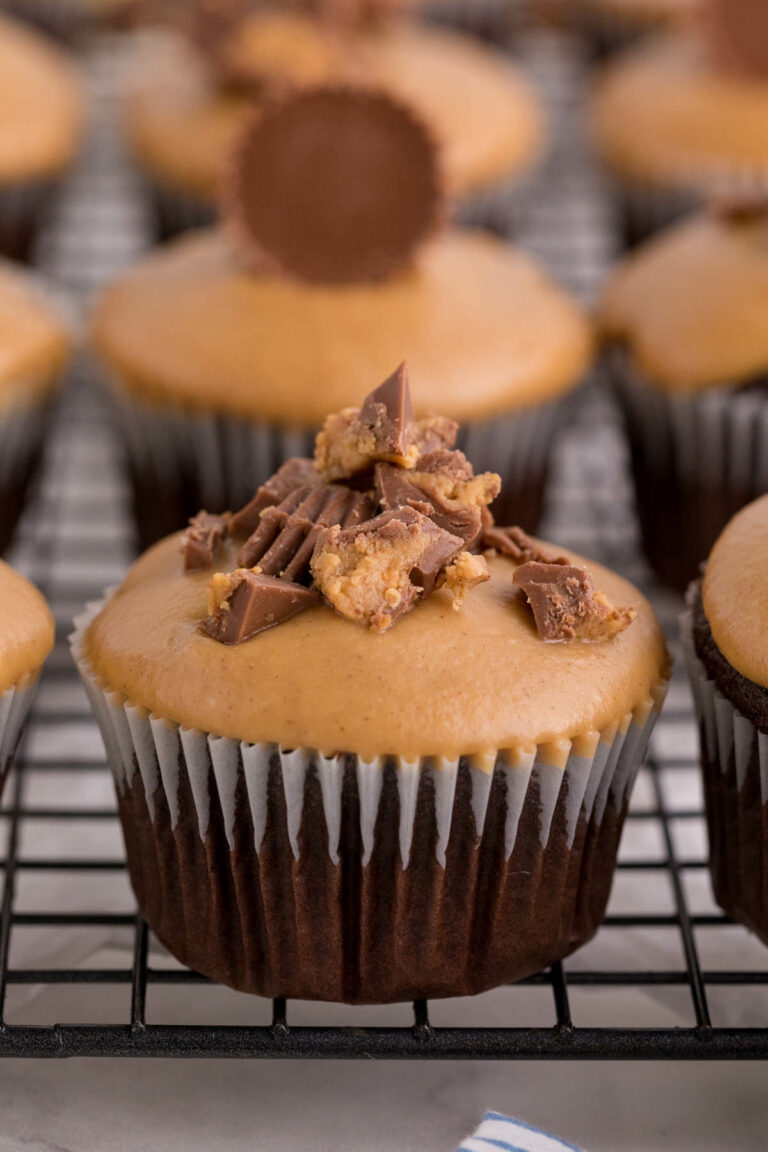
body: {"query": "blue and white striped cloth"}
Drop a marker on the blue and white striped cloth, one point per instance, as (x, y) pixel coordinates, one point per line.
(499, 1133)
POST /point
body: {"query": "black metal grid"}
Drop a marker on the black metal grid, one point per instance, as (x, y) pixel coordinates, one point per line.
(52, 825)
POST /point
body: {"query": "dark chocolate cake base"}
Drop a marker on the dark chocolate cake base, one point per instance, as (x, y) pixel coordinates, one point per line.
(272, 924)
(17, 482)
(696, 461)
(23, 209)
(737, 813)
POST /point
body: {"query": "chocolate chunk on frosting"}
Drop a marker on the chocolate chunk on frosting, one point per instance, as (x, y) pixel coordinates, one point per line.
(334, 184)
(284, 541)
(387, 513)
(737, 36)
(383, 428)
(519, 546)
(375, 573)
(203, 539)
(245, 602)
(565, 605)
(297, 472)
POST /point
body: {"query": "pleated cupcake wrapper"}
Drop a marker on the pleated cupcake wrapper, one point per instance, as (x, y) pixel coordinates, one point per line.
(14, 709)
(23, 428)
(734, 757)
(221, 460)
(708, 450)
(649, 208)
(23, 206)
(188, 795)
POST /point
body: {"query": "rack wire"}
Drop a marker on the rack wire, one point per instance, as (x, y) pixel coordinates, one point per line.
(664, 943)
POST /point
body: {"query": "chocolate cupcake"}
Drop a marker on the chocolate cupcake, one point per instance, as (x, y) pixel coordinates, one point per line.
(40, 131)
(684, 318)
(193, 94)
(684, 118)
(725, 650)
(369, 747)
(26, 640)
(35, 350)
(227, 347)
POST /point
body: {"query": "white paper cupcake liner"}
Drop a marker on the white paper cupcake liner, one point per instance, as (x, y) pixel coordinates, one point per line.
(696, 459)
(14, 709)
(734, 755)
(435, 877)
(217, 462)
(23, 429)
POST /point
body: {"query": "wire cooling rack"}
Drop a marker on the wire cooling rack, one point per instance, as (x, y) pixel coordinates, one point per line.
(668, 977)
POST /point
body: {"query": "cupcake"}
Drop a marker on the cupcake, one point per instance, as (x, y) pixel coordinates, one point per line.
(368, 746)
(191, 97)
(70, 19)
(226, 348)
(683, 118)
(615, 24)
(684, 318)
(40, 131)
(724, 641)
(35, 349)
(26, 639)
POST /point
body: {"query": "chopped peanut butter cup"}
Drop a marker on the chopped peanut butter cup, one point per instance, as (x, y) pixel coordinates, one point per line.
(244, 603)
(334, 185)
(565, 605)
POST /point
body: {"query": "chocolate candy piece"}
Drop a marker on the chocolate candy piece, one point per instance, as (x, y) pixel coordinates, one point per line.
(297, 472)
(395, 490)
(285, 539)
(244, 603)
(387, 413)
(375, 572)
(202, 540)
(519, 546)
(565, 605)
(334, 185)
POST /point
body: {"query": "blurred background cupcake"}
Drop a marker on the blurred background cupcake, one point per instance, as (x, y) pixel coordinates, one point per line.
(685, 320)
(41, 123)
(610, 25)
(726, 646)
(26, 640)
(685, 117)
(494, 20)
(70, 19)
(226, 348)
(34, 349)
(193, 91)
(392, 760)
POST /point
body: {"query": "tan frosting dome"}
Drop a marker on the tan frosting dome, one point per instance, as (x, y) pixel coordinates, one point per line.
(484, 114)
(692, 304)
(736, 592)
(41, 106)
(662, 114)
(33, 342)
(26, 628)
(440, 682)
(483, 328)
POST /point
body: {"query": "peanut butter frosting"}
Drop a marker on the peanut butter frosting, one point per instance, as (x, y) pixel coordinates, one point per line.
(662, 114)
(484, 114)
(189, 325)
(41, 106)
(691, 305)
(735, 592)
(441, 682)
(26, 628)
(33, 342)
